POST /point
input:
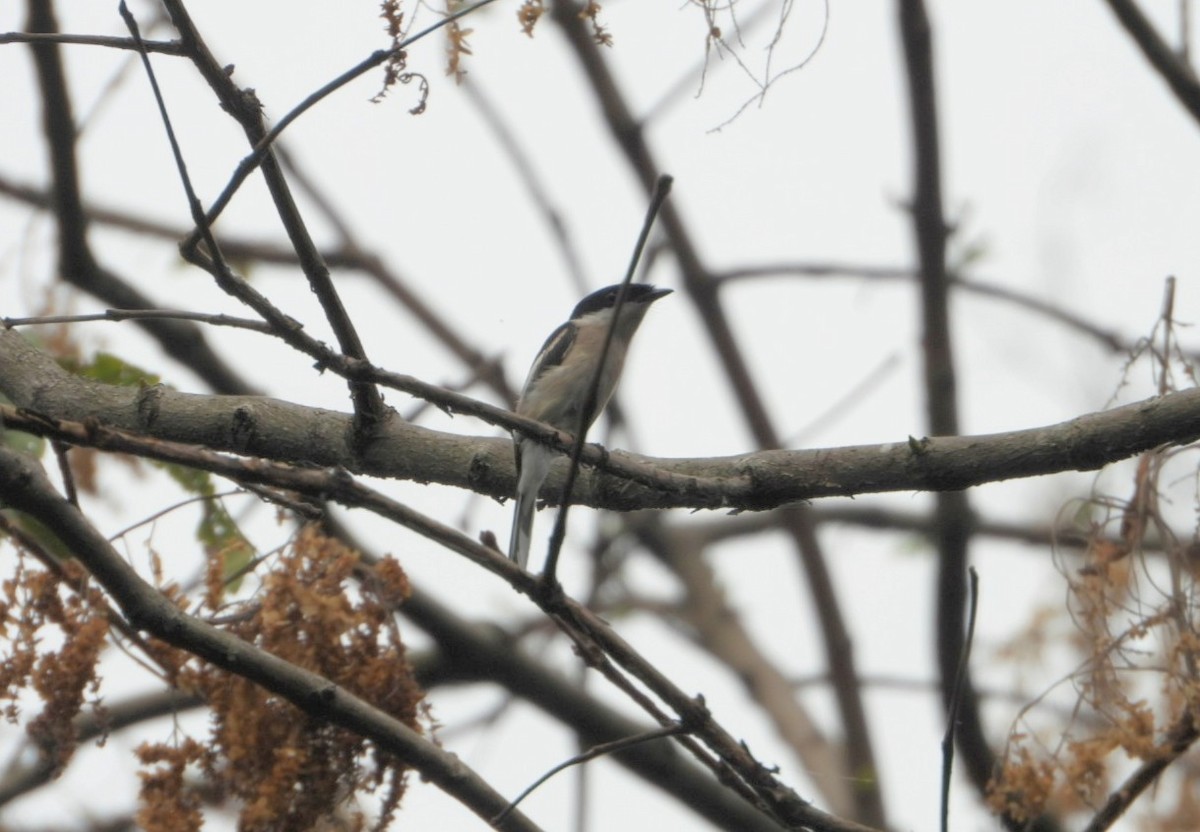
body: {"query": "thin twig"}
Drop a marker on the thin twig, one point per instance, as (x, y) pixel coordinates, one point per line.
(259, 152)
(1181, 737)
(1108, 338)
(235, 286)
(141, 314)
(475, 650)
(867, 516)
(526, 171)
(955, 700)
(769, 80)
(64, 470)
(661, 190)
(591, 754)
(162, 47)
(691, 82)
(839, 409)
(78, 264)
(369, 410)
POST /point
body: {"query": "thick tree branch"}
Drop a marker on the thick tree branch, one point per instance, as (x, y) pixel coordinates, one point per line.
(280, 431)
(271, 429)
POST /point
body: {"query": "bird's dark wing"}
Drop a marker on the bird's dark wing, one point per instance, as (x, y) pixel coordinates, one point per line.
(550, 356)
(553, 351)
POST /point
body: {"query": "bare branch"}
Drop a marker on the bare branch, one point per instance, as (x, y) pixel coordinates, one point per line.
(161, 47)
(471, 651)
(368, 404)
(263, 143)
(594, 752)
(351, 256)
(1173, 68)
(138, 315)
(952, 530)
(970, 285)
(77, 263)
(716, 625)
(277, 430)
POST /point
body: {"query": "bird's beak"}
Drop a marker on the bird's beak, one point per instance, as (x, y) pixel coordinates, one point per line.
(658, 293)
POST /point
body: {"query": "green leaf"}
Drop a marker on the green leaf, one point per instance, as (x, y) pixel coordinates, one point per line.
(110, 369)
(191, 480)
(25, 443)
(37, 531)
(222, 538)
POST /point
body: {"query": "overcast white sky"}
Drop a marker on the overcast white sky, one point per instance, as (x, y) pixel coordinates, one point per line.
(1068, 165)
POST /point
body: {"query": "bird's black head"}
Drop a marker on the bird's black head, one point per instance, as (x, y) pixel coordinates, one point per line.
(638, 294)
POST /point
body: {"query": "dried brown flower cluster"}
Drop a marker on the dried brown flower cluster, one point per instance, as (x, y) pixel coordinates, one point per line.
(456, 48)
(395, 70)
(285, 768)
(39, 607)
(1132, 603)
(529, 14)
(319, 609)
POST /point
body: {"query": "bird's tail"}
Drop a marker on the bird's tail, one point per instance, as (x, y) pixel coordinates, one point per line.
(533, 463)
(522, 530)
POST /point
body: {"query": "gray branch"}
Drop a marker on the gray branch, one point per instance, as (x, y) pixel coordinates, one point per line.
(286, 432)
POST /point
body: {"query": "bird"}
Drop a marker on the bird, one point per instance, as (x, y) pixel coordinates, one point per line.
(558, 384)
